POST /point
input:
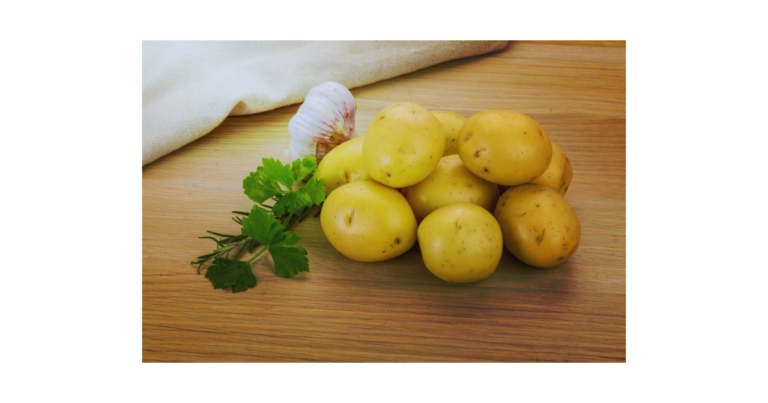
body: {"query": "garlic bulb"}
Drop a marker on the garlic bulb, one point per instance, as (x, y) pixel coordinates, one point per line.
(325, 120)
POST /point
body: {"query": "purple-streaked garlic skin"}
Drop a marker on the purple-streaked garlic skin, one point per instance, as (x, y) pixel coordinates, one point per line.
(325, 120)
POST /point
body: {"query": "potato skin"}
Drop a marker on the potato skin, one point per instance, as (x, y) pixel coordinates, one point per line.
(504, 147)
(403, 145)
(461, 243)
(539, 226)
(368, 222)
(559, 173)
(451, 122)
(451, 182)
(344, 164)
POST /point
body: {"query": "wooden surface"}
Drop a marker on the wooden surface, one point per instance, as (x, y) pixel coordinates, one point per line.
(346, 311)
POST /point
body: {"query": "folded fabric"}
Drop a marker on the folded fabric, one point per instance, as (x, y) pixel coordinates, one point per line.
(189, 87)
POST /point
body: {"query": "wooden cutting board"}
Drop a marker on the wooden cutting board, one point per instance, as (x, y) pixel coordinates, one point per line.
(397, 310)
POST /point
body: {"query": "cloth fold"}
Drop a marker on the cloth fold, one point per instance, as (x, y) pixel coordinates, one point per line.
(190, 87)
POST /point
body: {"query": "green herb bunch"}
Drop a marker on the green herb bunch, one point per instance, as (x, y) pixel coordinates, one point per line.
(267, 225)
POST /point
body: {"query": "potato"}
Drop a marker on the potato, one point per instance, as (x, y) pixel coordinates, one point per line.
(403, 145)
(451, 122)
(559, 173)
(557, 176)
(539, 226)
(451, 182)
(368, 222)
(460, 243)
(344, 164)
(504, 147)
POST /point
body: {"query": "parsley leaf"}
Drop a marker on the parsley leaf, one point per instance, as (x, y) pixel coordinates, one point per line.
(261, 225)
(315, 189)
(231, 273)
(305, 197)
(302, 168)
(289, 259)
(276, 170)
(286, 238)
(293, 203)
(259, 187)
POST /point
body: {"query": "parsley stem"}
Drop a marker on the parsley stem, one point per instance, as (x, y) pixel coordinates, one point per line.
(245, 246)
(209, 237)
(217, 234)
(233, 239)
(257, 255)
(282, 219)
(301, 213)
(224, 249)
(291, 221)
(305, 215)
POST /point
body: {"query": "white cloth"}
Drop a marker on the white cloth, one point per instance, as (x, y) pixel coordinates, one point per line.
(189, 87)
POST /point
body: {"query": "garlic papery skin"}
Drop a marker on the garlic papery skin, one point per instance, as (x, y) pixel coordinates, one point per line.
(325, 120)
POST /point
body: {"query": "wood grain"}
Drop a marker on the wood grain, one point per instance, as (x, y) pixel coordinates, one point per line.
(346, 311)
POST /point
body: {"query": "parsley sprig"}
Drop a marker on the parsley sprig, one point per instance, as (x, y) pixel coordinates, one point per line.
(267, 225)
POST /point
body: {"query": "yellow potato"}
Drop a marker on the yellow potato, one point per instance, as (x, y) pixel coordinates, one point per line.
(344, 164)
(451, 182)
(539, 226)
(403, 145)
(504, 147)
(368, 222)
(451, 122)
(460, 243)
(559, 174)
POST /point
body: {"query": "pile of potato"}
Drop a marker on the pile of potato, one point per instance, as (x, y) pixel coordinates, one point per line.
(435, 177)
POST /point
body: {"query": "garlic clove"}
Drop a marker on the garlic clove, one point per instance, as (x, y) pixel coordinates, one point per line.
(325, 120)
